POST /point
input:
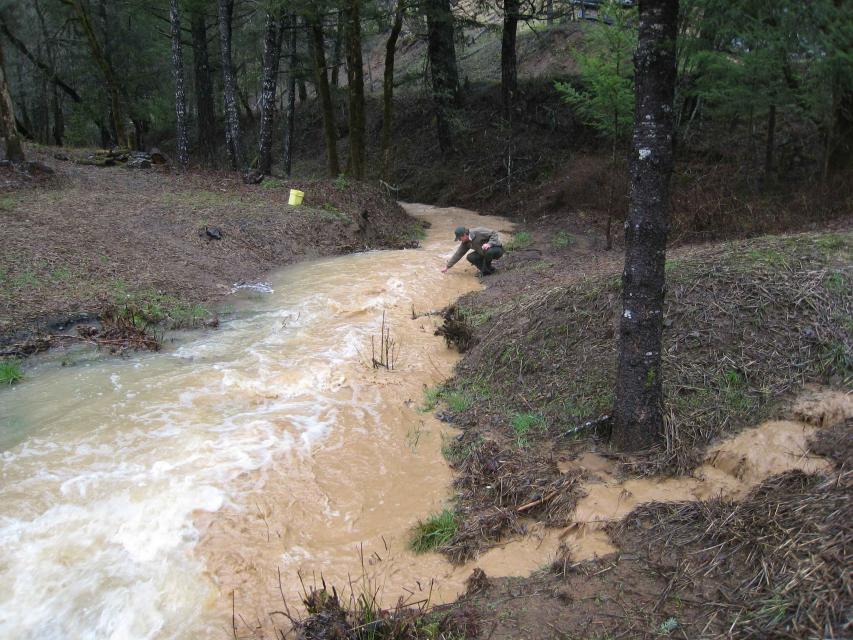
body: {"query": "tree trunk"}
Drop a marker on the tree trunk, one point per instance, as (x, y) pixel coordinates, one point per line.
(638, 417)
(287, 147)
(840, 142)
(229, 84)
(336, 52)
(549, 12)
(388, 91)
(441, 51)
(509, 66)
(272, 55)
(112, 86)
(771, 142)
(180, 96)
(8, 129)
(204, 103)
(355, 89)
(318, 48)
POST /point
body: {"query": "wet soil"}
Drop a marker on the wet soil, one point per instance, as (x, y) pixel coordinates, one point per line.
(87, 238)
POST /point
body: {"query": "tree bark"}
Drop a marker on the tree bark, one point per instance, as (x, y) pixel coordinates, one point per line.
(441, 51)
(771, 141)
(180, 95)
(388, 91)
(101, 59)
(355, 88)
(509, 64)
(336, 52)
(638, 417)
(269, 84)
(205, 106)
(8, 129)
(229, 83)
(287, 147)
(318, 48)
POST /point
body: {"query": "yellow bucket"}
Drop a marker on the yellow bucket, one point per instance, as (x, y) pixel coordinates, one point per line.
(295, 197)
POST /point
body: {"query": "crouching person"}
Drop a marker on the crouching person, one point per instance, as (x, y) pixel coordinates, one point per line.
(484, 246)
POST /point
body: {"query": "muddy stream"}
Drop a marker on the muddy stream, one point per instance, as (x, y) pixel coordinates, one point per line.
(143, 497)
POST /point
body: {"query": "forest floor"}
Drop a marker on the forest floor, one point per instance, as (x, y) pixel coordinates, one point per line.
(152, 246)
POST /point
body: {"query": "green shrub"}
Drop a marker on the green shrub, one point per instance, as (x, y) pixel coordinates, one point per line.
(525, 423)
(563, 239)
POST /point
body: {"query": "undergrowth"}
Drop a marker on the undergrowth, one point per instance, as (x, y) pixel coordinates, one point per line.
(434, 532)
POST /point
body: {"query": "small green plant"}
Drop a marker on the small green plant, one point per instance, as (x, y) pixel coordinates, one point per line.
(524, 424)
(562, 239)
(831, 242)
(457, 401)
(7, 203)
(431, 397)
(342, 182)
(437, 530)
(521, 240)
(668, 626)
(10, 372)
(272, 183)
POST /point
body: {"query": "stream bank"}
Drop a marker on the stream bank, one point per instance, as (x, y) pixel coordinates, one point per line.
(150, 247)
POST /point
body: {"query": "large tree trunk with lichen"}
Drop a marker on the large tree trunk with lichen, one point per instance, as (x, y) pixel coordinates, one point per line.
(318, 49)
(509, 63)
(388, 91)
(355, 88)
(441, 51)
(180, 94)
(638, 416)
(8, 129)
(290, 118)
(229, 83)
(204, 101)
(269, 82)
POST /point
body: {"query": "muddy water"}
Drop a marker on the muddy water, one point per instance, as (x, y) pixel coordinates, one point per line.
(138, 494)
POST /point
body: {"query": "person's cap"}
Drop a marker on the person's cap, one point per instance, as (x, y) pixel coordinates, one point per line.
(460, 231)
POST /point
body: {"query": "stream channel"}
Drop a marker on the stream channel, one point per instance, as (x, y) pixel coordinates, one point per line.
(143, 497)
(187, 493)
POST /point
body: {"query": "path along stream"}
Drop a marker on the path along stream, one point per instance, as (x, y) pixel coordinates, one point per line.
(143, 497)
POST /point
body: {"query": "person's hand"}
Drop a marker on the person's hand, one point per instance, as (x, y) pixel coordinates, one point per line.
(487, 246)
(444, 270)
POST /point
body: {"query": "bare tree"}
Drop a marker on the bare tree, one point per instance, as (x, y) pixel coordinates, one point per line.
(638, 418)
(180, 95)
(287, 147)
(229, 82)
(205, 106)
(355, 88)
(388, 90)
(509, 63)
(102, 59)
(8, 129)
(269, 73)
(442, 60)
(321, 77)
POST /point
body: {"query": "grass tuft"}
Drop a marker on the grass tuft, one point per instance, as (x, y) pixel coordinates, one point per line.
(10, 372)
(521, 240)
(437, 530)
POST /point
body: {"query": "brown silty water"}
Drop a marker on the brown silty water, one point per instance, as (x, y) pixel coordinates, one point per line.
(143, 497)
